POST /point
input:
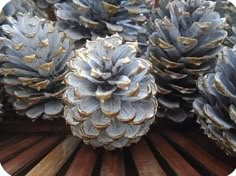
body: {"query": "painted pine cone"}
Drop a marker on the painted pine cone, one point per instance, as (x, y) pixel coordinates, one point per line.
(35, 55)
(187, 36)
(110, 94)
(216, 108)
(23, 6)
(2, 21)
(12, 7)
(228, 10)
(103, 17)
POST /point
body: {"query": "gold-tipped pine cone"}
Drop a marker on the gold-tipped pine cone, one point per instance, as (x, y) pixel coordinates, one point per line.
(34, 55)
(110, 94)
(187, 35)
(84, 18)
(216, 108)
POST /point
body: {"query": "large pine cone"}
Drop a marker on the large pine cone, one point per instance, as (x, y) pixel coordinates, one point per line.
(110, 94)
(35, 55)
(80, 18)
(187, 36)
(216, 108)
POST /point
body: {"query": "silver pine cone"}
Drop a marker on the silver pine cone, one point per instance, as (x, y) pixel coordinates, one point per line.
(216, 108)
(103, 17)
(23, 6)
(187, 35)
(228, 10)
(110, 94)
(35, 55)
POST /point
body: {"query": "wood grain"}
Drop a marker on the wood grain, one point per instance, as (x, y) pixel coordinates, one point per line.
(195, 151)
(11, 150)
(83, 162)
(113, 164)
(145, 161)
(10, 140)
(179, 165)
(184, 150)
(53, 162)
(16, 126)
(211, 147)
(29, 156)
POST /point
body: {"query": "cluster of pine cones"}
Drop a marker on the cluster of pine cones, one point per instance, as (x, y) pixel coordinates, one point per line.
(111, 68)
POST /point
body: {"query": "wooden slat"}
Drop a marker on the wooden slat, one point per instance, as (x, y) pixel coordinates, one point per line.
(27, 126)
(83, 162)
(27, 157)
(11, 140)
(195, 151)
(179, 165)
(11, 150)
(113, 164)
(52, 163)
(3, 137)
(145, 161)
(211, 147)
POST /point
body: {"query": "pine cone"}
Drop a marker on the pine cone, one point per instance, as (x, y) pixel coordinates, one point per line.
(35, 56)
(80, 18)
(2, 21)
(228, 10)
(23, 6)
(110, 94)
(187, 36)
(14, 6)
(216, 108)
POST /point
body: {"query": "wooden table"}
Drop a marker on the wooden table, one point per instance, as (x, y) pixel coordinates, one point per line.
(45, 148)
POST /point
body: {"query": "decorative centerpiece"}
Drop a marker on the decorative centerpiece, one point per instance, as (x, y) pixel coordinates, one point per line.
(110, 68)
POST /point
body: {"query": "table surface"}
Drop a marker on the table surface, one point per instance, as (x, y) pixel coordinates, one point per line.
(45, 148)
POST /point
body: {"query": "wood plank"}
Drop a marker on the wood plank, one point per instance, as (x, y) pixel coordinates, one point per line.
(113, 164)
(211, 147)
(3, 137)
(83, 162)
(145, 161)
(179, 165)
(12, 150)
(52, 163)
(29, 156)
(200, 155)
(27, 126)
(11, 140)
